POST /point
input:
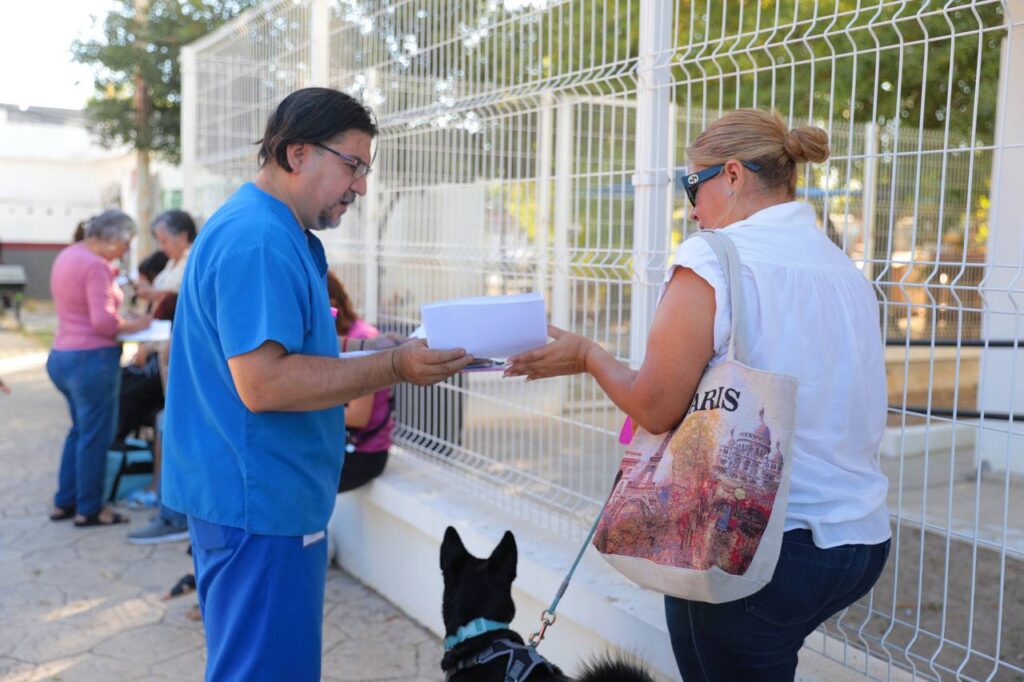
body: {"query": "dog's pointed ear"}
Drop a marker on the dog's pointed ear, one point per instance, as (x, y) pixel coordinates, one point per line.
(505, 556)
(453, 551)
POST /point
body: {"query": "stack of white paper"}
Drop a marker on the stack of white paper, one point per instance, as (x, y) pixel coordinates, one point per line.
(158, 330)
(487, 326)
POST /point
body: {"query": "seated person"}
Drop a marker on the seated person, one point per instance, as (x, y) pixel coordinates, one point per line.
(151, 267)
(368, 420)
(175, 231)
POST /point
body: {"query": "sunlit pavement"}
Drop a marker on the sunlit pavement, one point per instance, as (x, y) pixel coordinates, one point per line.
(83, 604)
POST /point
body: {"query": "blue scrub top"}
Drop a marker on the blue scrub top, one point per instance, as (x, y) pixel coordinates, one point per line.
(253, 275)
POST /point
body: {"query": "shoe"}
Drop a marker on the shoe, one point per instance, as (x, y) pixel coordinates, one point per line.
(62, 513)
(97, 519)
(158, 530)
(142, 499)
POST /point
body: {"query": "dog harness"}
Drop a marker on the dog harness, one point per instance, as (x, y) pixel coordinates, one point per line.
(522, 660)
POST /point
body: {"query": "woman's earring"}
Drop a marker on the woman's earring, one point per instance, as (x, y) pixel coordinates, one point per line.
(729, 193)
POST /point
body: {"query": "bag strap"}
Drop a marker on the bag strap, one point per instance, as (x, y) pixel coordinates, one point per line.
(729, 259)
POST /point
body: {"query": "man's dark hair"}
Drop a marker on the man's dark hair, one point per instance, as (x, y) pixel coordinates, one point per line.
(309, 116)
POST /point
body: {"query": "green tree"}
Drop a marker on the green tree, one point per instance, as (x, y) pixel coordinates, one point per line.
(137, 101)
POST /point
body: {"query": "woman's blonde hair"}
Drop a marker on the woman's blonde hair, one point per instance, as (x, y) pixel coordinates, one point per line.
(760, 137)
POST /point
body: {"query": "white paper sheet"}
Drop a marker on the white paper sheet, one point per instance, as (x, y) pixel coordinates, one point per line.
(493, 327)
(356, 353)
(158, 330)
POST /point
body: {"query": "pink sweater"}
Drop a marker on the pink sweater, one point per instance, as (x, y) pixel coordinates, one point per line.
(86, 299)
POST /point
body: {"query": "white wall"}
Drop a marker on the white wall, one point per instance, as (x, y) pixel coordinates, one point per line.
(1001, 380)
(52, 176)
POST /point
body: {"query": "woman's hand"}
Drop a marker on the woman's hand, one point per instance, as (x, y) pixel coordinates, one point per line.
(141, 355)
(136, 325)
(567, 354)
(143, 289)
(386, 341)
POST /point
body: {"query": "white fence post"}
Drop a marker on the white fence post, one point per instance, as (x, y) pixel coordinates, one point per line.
(652, 181)
(371, 231)
(545, 137)
(319, 44)
(560, 279)
(869, 197)
(1001, 384)
(189, 132)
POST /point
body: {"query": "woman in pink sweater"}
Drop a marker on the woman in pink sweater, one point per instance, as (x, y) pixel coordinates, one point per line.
(84, 363)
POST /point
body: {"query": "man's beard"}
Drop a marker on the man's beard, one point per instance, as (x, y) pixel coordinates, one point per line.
(323, 220)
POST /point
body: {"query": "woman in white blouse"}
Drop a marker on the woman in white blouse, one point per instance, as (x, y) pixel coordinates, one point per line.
(174, 231)
(811, 314)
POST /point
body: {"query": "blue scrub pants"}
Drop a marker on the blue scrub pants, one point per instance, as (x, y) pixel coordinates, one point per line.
(262, 599)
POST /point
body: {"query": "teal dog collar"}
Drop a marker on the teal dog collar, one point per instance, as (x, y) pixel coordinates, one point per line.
(472, 629)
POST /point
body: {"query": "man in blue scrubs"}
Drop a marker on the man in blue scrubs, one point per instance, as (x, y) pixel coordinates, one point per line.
(254, 425)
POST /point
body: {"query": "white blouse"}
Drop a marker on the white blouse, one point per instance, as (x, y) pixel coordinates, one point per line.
(811, 314)
(169, 279)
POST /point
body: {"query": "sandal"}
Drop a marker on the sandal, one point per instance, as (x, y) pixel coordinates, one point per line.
(62, 513)
(96, 520)
(184, 586)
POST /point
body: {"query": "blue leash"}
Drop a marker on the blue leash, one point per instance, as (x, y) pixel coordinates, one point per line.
(547, 617)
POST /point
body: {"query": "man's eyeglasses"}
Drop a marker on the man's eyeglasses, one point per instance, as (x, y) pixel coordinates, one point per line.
(693, 181)
(359, 168)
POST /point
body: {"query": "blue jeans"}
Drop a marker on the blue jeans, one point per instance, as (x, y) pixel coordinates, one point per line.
(91, 383)
(262, 599)
(757, 639)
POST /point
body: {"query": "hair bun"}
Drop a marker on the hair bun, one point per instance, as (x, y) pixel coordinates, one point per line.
(806, 144)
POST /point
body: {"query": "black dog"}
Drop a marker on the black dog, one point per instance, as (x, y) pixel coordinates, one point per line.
(477, 609)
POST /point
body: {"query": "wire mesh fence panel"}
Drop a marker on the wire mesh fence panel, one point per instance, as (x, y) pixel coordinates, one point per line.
(539, 145)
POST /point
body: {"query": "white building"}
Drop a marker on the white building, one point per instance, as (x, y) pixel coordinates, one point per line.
(53, 174)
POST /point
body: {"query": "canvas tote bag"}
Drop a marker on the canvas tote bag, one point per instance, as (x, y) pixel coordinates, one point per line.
(698, 512)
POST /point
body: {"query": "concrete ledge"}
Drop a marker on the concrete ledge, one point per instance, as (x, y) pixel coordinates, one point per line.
(915, 440)
(388, 535)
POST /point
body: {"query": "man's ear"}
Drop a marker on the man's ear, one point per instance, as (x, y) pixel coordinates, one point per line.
(453, 552)
(296, 155)
(505, 556)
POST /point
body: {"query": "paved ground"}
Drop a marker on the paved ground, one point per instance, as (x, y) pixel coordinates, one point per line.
(82, 604)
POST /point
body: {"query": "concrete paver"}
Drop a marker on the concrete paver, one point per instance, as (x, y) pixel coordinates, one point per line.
(83, 604)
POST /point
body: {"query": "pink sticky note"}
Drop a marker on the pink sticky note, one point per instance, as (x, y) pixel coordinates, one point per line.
(626, 434)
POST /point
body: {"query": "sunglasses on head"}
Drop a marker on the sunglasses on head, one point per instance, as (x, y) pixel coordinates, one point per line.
(693, 181)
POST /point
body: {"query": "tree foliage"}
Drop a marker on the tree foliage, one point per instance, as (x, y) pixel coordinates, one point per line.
(136, 66)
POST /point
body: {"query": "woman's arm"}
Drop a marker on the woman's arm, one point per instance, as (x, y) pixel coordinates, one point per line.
(102, 305)
(358, 411)
(679, 346)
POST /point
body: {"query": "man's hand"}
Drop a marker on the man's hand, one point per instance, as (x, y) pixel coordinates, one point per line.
(416, 364)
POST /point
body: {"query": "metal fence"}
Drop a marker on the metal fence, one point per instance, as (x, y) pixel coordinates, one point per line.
(537, 145)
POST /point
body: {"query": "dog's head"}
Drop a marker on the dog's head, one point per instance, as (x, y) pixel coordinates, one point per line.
(477, 588)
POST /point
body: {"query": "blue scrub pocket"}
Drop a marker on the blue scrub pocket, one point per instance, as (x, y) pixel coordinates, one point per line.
(209, 536)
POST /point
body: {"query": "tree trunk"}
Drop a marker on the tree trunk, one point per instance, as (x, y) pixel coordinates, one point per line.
(143, 203)
(143, 112)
